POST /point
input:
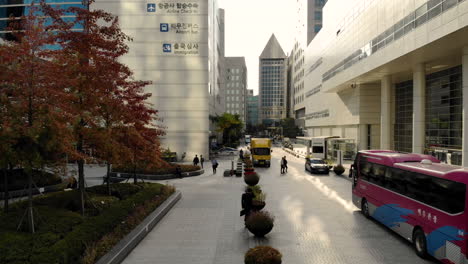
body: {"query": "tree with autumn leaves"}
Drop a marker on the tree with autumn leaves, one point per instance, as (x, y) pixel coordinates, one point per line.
(66, 91)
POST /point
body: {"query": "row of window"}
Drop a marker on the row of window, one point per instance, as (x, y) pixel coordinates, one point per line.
(234, 92)
(445, 195)
(299, 99)
(272, 113)
(234, 71)
(234, 98)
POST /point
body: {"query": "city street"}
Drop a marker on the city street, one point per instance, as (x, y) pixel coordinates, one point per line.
(315, 222)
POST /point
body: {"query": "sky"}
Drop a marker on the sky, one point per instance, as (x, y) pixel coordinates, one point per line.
(249, 25)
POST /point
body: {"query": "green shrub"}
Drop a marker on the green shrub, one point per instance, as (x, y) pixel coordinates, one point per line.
(61, 235)
(339, 169)
(119, 190)
(251, 179)
(255, 189)
(260, 223)
(262, 255)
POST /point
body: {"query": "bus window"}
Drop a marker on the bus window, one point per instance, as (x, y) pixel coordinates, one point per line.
(418, 187)
(449, 196)
(364, 169)
(395, 180)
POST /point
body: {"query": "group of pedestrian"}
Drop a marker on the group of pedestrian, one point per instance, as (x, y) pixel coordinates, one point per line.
(197, 160)
(284, 165)
(201, 160)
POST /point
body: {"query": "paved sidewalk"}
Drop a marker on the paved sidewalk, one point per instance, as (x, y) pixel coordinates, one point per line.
(315, 222)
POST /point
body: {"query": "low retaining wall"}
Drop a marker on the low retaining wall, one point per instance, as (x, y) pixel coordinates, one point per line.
(118, 253)
(45, 189)
(295, 154)
(124, 176)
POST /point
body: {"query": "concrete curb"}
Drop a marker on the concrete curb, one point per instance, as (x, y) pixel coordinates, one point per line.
(118, 253)
(124, 176)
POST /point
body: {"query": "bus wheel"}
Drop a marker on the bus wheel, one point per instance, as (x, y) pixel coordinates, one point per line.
(365, 208)
(419, 242)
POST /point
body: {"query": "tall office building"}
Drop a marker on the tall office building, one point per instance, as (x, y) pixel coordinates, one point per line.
(179, 46)
(272, 83)
(308, 24)
(236, 86)
(392, 75)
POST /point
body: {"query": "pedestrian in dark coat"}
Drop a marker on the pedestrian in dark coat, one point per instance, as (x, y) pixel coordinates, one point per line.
(285, 163)
(241, 154)
(178, 171)
(282, 165)
(202, 160)
(196, 160)
(246, 200)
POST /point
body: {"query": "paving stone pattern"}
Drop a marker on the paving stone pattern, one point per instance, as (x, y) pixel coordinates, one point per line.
(315, 222)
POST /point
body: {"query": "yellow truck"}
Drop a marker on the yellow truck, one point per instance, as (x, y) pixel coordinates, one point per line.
(260, 149)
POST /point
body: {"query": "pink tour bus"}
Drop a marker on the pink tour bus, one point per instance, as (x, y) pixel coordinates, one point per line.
(416, 196)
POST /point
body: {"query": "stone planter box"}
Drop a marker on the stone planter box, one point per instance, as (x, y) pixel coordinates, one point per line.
(124, 176)
(45, 189)
(118, 253)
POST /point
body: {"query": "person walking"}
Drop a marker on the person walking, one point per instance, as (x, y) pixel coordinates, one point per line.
(282, 165)
(201, 161)
(179, 171)
(214, 164)
(285, 163)
(196, 160)
(246, 202)
(241, 154)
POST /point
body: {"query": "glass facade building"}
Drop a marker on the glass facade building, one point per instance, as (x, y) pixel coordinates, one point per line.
(273, 83)
(273, 90)
(252, 110)
(443, 123)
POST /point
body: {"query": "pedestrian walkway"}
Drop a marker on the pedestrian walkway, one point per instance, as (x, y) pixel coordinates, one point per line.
(315, 222)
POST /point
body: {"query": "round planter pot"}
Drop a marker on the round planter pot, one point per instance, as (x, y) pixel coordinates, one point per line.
(258, 205)
(251, 179)
(260, 232)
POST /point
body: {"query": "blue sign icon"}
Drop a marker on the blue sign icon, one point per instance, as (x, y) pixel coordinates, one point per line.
(164, 27)
(167, 47)
(150, 7)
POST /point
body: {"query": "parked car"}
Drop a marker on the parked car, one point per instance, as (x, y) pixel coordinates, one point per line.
(317, 166)
(228, 151)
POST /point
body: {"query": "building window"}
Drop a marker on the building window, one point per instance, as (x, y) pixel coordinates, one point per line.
(403, 135)
(317, 28)
(444, 108)
(318, 15)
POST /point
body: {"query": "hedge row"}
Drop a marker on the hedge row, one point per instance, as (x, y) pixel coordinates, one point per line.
(62, 234)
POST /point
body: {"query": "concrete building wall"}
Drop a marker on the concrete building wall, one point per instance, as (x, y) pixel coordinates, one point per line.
(176, 46)
(364, 49)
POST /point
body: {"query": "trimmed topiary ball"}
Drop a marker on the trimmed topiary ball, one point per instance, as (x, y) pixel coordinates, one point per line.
(262, 255)
(251, 179)
(259, 223)
(339, 169)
